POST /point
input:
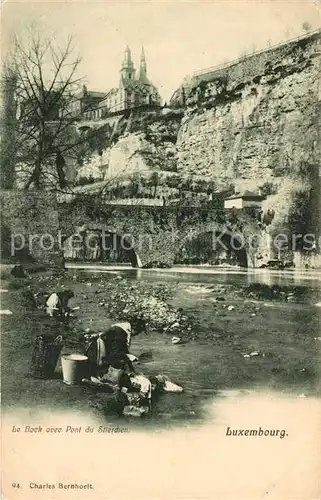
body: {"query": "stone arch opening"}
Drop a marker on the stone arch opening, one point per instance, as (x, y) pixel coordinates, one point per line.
(100, 245)
(212, 247)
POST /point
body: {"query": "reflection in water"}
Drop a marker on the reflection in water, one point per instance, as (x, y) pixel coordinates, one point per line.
(207, 274)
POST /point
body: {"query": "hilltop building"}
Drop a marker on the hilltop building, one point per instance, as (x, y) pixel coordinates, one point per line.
(88, 102)
(132, 92)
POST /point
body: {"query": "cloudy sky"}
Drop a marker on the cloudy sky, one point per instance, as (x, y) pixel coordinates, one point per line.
(179, 36)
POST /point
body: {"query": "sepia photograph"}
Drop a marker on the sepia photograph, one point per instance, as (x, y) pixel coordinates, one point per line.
(161, 249)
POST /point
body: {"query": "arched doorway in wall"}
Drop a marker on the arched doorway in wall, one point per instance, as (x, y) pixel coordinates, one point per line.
(100, 245)
(214, 248)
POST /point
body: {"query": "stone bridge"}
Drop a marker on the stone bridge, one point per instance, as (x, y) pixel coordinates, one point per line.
(150, 233)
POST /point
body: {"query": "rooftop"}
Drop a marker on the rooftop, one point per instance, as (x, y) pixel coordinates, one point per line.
(246, 195)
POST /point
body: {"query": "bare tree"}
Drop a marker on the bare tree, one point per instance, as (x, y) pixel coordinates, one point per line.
(47, 91)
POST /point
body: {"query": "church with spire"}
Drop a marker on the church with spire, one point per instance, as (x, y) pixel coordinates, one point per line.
(134, 90)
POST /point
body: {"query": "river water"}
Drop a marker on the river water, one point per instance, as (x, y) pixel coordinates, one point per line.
(205, 369)
(208, 274)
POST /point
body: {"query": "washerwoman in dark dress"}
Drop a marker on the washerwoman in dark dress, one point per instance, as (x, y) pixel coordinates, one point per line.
(109, 353)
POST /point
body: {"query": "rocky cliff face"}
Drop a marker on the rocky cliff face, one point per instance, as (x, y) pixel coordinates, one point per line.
(253, 125)
(256, 121)
(257, 125)
(139, 143)
(128, 155)
(248, 124)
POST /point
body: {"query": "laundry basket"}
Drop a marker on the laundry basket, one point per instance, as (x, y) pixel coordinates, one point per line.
(45, 355)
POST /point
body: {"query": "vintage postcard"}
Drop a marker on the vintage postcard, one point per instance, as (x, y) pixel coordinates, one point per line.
(161, 249)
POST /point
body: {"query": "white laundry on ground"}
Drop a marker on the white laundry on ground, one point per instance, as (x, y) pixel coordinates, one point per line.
(5, 312)
(144, 383)
(52, 304)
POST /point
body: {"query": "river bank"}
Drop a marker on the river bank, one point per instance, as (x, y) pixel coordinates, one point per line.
(233, 340)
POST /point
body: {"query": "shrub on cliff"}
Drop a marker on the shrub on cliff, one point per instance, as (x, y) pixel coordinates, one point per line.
(300, 216)
(268, 188)
(83, 181)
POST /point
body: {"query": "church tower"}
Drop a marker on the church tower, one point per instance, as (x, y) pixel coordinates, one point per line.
(143, 68)
(127, 70)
